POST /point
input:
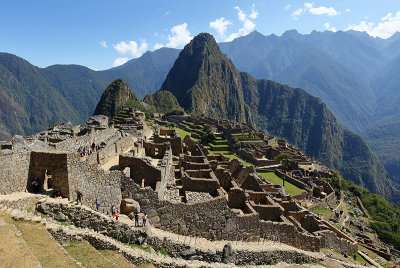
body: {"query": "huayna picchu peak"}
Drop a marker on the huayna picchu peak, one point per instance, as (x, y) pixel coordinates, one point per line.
(205, 81)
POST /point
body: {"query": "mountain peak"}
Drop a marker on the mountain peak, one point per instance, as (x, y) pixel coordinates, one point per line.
(291, 34)
(114, 97)
(205, 81)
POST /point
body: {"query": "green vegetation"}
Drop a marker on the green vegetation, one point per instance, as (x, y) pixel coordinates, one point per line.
(274, 179)
(385, 216)
(324, 211)
(163, 102)
(161, 251)
(283, 156)
(115, 96)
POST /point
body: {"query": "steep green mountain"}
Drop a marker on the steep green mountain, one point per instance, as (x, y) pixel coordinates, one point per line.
(204, 81)
(384, 140)
(114, 97)
(162, 101)
(32, 98)
(310, 62)
(28, 103)
(201, 71)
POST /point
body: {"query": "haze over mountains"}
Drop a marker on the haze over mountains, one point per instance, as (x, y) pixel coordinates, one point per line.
(354, 74)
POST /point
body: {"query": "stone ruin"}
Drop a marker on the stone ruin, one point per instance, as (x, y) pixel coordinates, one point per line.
(181, 187)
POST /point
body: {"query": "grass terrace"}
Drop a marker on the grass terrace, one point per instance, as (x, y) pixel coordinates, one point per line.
(274, 179)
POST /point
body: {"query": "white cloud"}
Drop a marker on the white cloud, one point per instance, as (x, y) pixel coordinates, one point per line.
(103, 44)
(298, 12)
(220, 25)
(180, 36)
(384, 29)
(308, 5)
(348, 10)
(119, 61)
(254, 13)
(330, 11)
(329, 28)
(241, 15)
(131, 48)
(248, 24)
(287, 7)
(158, 46)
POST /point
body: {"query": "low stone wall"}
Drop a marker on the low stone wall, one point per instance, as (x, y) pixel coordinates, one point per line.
(14, 169)
(199, 219)
(328, 201)
(112, 150)
(85, 218)
(332, 241)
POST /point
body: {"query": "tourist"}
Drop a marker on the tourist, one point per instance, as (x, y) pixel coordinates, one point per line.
(213, 235)
(35, 186)
(116, 216)
(144, 219)
(79, 197)
(113, 210)
(136, 219)
(97, 204)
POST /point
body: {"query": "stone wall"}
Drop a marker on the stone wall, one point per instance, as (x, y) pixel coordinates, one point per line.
(332, 241)
(94, 183)
(177, 248)
(112, 150)
(55, 165)
(328, 201)
(14, 169)
(97, 136)
(199, 219)
(141, 169)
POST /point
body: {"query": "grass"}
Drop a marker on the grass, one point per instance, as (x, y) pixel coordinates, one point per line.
(274, 179)
(44, 246)
(325, 212)
(161, 251)
(83, 252)
(358, 258)
(116, 258)
(12, 252)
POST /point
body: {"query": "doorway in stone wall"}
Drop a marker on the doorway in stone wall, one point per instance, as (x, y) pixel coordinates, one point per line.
(47, 181)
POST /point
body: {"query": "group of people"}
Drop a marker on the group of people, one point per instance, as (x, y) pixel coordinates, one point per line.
(114, 213)
(88, 150)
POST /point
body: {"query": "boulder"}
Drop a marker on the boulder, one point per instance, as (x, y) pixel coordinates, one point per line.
(60, 216)
(227, 254)
(129, 205)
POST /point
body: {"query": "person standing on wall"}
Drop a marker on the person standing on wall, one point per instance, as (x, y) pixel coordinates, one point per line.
(97, 204)
(144, 219)
(79, 197)
(136, 219)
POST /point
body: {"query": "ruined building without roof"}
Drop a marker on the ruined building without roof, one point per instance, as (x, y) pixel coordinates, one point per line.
(180, 185)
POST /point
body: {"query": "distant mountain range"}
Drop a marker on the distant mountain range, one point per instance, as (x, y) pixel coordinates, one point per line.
(354, 74)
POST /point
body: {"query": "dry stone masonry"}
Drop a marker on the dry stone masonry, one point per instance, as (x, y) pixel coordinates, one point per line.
(183, 187)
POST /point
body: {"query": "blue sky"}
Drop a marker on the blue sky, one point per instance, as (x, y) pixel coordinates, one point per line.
(103, 33)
